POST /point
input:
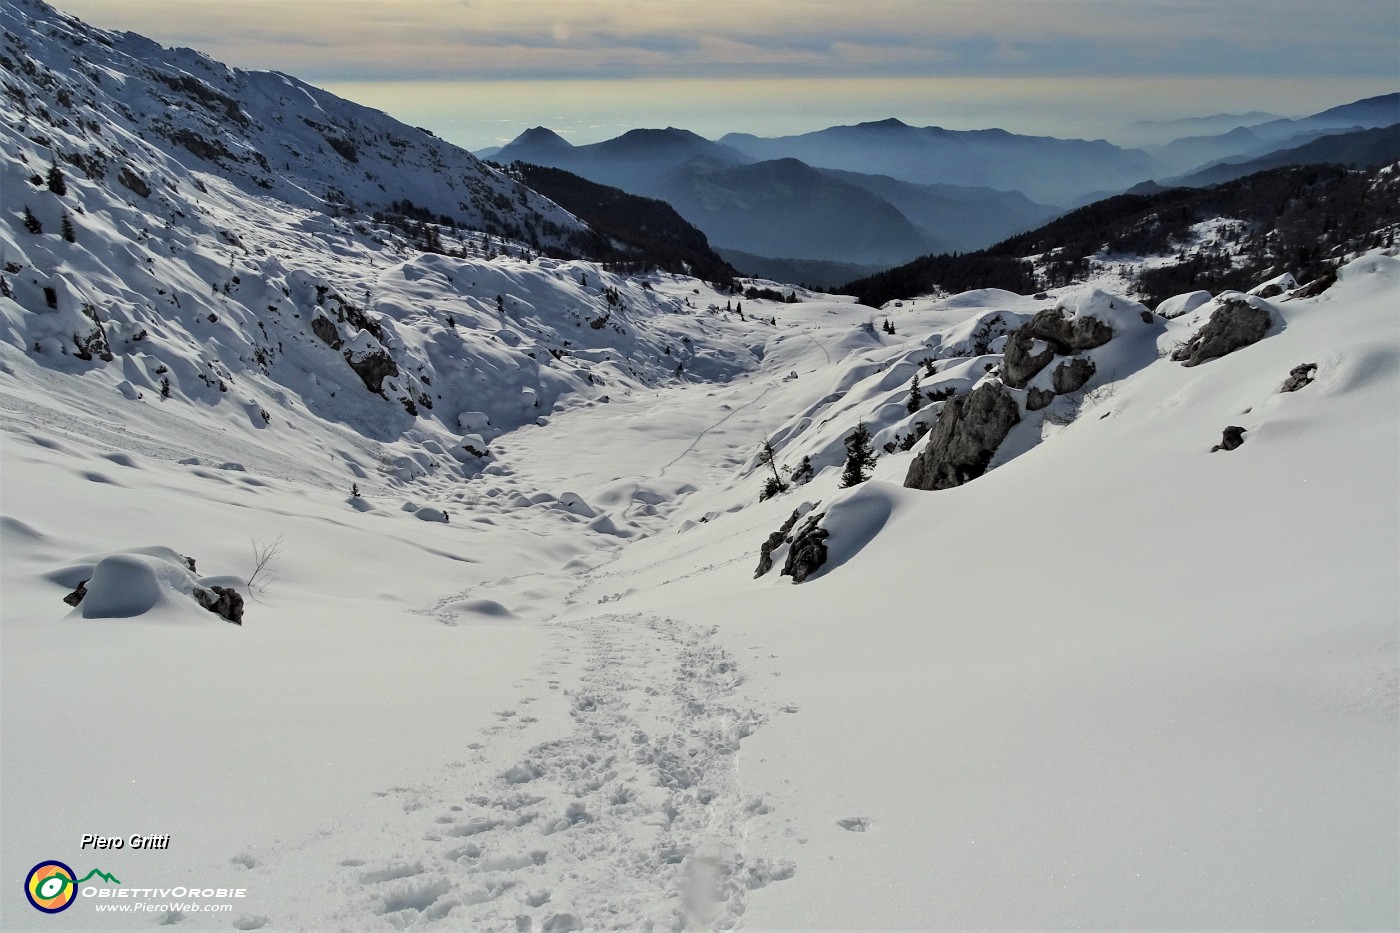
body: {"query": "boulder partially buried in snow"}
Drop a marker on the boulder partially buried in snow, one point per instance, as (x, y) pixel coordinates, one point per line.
(370, 361)
(1275, 286)
(147, 580)
(962, 442)
(1238, 322)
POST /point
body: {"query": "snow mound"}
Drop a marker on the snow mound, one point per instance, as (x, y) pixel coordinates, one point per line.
(126, 585)
(1177, 305)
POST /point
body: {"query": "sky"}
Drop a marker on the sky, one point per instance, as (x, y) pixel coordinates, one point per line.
(478, 72)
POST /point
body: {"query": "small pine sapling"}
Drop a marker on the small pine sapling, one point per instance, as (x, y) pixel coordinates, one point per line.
(774, 484)
(804, 472)
(860, 457)
(916, 396)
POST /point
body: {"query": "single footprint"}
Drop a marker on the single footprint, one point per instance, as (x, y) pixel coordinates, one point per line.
(855, 824)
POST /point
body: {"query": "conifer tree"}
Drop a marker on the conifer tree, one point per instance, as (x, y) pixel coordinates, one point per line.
(916, 397)
(56, 182)
(773, 485)
(860, 457)
(31, 223)
(68, 233)
(804, 471)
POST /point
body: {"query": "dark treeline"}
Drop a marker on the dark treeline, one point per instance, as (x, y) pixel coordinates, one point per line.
(1291, 219)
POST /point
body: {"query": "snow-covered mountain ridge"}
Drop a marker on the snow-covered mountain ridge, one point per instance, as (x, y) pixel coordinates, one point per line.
(185, 272)
(116, 105)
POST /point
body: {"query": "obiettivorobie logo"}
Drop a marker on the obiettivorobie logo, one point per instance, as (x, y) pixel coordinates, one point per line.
(52, 886)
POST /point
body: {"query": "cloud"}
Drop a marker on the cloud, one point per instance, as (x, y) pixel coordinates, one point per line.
(515, 39)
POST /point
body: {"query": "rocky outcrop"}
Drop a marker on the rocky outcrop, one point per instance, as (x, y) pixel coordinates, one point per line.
(1061, 336)
(1233, 326)
(775, 541)
(1068, 335)
(1019, 363)
(224, 601)
(373, 366)
(324, 328)
(133, 182)
(1230, 438)
(1300, 376)
(1072, 375)
(1038, 398)
(808, 551)
(1317, 286)
(967, 434)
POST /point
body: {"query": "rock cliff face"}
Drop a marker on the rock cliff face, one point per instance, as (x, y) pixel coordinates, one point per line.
(967, 434)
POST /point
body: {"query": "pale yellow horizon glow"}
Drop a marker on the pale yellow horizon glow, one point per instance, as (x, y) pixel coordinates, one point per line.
(479, 71)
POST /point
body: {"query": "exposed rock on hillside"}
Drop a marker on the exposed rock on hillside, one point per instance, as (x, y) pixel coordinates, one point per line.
(1230, 438)
(1235, 324)
(967, 434)
(1299, 377)
(775, 541)
(1050, 333)
(808, 551)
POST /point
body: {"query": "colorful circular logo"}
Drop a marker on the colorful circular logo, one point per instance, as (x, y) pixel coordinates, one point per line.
(50, 887)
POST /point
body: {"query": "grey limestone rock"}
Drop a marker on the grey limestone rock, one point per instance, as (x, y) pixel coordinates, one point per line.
(1072, 375)
(1233, 326)
(324, 328)
(808, 551)
(775, 540)
(1019, 364)
(967, 434)
(224, 601)
(372, 367)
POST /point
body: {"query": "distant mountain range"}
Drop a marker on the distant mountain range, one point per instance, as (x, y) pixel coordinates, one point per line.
(1190, 153)
(784, 208)
(1045, 169)
(1359, 148)
(823, 204)
(1157, 132)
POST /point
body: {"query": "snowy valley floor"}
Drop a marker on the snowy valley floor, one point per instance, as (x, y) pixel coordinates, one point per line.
(1117, 682)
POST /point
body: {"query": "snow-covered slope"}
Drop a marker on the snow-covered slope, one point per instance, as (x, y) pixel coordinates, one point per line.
(181, 279)
(114, 105)
(1118, 681)
(506, 664)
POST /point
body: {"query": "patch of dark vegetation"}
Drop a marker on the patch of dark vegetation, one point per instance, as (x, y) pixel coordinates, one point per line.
(1295, 219)
(630, 233)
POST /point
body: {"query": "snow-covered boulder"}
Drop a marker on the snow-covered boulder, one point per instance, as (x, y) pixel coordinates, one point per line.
(1275, 286)
(1179, 305)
